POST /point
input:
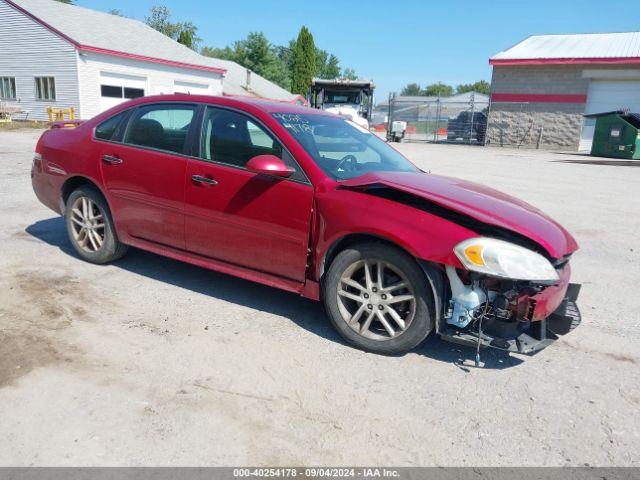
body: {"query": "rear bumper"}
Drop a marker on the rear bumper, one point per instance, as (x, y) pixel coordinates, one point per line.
(43, 187)
(539, 334)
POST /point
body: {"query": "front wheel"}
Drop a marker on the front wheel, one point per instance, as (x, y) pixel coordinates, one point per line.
(90, 227)
(378, 299)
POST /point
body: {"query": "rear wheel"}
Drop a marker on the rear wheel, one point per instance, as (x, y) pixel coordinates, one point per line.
(378, 299)
(90, 227)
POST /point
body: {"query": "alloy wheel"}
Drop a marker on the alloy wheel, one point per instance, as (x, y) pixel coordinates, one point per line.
(376, 299)
(87, 224)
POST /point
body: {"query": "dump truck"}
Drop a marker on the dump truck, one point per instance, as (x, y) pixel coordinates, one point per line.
(352, 99)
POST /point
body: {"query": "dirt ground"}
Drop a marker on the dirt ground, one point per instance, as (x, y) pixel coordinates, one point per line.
(154, 362)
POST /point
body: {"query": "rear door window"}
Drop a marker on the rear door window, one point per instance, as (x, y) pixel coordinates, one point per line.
(161, 127)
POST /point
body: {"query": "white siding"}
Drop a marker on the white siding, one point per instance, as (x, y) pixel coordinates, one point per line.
(29, 50)
(160, 78)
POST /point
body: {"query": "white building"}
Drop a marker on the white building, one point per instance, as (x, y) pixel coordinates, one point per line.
(59, 55)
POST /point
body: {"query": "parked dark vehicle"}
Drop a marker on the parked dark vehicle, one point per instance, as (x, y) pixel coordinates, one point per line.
(312, 203)
(467, 128)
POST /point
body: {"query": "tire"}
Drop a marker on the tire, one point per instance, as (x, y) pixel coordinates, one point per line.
(398, 267)
(102, 244)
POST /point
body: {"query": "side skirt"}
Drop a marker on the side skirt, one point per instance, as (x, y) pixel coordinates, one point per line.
(218, 266)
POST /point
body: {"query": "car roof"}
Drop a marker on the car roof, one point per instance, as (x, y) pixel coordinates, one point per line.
(268, 106)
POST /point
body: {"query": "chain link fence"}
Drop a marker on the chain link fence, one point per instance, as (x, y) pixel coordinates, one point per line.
(458, 119)
(472, 119)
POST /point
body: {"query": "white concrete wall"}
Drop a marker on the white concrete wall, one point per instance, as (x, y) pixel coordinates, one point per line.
(29, 50)
(160, 79)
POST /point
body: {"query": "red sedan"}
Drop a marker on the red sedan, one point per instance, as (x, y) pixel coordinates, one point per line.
(312, 203)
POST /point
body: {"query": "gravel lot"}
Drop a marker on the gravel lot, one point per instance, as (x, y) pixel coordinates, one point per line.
(154, 362)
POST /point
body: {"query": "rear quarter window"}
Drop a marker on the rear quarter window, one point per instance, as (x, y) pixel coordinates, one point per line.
(108, 129)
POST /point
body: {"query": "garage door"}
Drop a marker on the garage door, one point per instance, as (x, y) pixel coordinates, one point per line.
(605, 96)
(116, 88)
(192, 88)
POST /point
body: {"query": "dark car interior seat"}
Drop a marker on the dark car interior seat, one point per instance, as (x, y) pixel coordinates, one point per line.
(231, 141)
(147, 133)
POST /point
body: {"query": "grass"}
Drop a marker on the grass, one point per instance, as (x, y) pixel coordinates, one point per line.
(22, 124)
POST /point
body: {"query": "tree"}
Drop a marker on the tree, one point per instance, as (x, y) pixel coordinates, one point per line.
(304, 63)
(117, 12)
(413, 89)
(185, 38)
(160, 20)
(349, 74)
(225, 53)
(438, 89)
(327, 65)
(69, 2)
(276, 62)
(481, 86)
(257, 54)
(188, 35)
(332, 67)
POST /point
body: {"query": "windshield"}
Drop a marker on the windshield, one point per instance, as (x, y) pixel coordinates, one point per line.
(341, 97)
(341, 148)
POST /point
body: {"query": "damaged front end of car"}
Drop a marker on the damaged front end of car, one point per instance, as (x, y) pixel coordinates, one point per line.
(512, 315)
(509, 288)
(508, 297)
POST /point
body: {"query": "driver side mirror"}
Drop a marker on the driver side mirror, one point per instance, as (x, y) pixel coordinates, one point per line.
(269, 165)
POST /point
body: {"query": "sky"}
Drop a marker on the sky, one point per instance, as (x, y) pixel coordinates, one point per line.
(395, 42)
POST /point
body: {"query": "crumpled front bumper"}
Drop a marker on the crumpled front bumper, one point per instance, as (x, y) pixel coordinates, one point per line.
(540, 334)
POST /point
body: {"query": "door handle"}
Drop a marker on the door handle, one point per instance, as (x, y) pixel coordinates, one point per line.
(202, 179)
(111, 159)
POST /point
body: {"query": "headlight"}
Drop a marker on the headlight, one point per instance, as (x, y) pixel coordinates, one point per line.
(504, 259)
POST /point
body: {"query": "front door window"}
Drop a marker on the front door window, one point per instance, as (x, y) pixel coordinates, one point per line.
(232, 138)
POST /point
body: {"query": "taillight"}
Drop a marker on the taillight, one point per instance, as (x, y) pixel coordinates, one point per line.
(37, 163)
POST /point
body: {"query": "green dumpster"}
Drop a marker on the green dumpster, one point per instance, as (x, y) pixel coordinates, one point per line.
(617, 135)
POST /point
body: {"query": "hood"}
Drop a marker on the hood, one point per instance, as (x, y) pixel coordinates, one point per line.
(481, 203)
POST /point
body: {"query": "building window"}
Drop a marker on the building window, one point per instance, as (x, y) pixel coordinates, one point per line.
(45, 88)
(133, 92)
(111, 91)
(7, 88)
